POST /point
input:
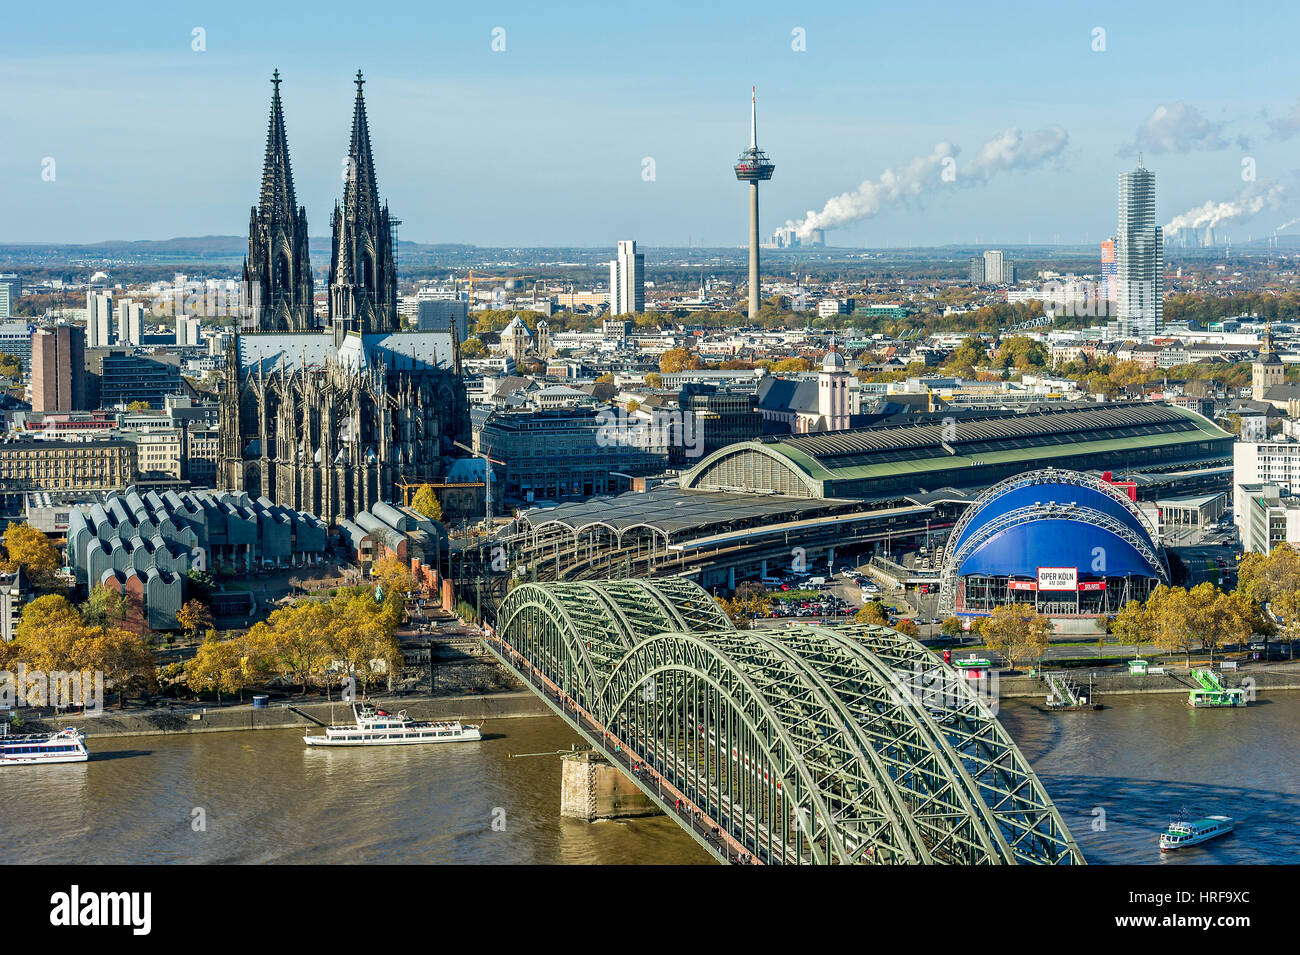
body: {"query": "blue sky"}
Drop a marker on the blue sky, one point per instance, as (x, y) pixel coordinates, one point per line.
(543, 144)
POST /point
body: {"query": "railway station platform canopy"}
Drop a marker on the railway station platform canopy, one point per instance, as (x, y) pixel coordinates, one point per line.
(892, 462)
(673, 514)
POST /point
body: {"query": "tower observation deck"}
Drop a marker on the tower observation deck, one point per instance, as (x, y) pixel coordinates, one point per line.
(753, 167)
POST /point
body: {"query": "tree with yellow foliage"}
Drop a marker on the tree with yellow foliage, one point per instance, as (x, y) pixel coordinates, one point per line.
(220, 666)
(677, 359)
(426, 503)
(1273, 581)
(29, 549)
(194, 616)
(124, 659)
(1017, 632)
(395, 582)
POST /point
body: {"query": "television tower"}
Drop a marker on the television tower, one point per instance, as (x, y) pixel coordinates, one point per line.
(753, 167)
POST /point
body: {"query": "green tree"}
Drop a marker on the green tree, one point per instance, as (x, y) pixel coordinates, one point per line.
(104, 607)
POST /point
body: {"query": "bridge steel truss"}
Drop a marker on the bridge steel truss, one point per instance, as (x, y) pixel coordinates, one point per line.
(809, 744)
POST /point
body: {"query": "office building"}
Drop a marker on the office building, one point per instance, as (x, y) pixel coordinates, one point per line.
(1139, 255)
(441, 315)
(570, 452)
(627, 280)
(30, 465)
(993, 267)
(99, 319)
(10, 289)
(1256, 463)
(1271, 517)
(187, 330)
(118, 377)
(58, 369)
(1109, 274)
(16, 340)
(130, 322)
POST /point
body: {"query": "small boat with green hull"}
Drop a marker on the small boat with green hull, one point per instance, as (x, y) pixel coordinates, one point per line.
(1211, 693)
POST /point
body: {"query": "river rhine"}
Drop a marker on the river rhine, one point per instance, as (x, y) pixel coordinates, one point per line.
(263, 797)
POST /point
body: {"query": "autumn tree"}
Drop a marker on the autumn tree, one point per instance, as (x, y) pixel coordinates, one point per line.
(219, 666)
(908, 628)
(1216, 618)
(194, 616)
(395, 583)
(362, 637)
(426, 503)
(1133, 626)
(654, 380)
(123, 657)
(29, 549)
(1273, 582)
(676, 360)
(873, 612)
(291, 642)
(1017, 632)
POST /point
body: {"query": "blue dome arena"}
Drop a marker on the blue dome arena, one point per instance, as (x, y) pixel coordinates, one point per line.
(1069, 543)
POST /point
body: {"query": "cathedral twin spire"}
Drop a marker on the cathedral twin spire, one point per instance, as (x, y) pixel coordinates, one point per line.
(363, 270)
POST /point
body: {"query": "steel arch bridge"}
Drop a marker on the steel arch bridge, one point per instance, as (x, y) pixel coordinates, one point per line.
(809, 744)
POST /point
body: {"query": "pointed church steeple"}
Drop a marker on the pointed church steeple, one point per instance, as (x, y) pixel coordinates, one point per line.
(363, 270)
(277, 274)
(277, 176)
(361, 187)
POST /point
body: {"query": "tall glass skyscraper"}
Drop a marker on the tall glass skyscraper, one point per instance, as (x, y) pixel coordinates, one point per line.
(1139, 255)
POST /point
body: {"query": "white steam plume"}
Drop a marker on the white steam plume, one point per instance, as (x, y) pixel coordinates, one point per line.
(1245, 205)
(921, 175)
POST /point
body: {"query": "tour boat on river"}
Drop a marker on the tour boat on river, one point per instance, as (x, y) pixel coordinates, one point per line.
(376, 727)
(66, 746)
(1182, 833)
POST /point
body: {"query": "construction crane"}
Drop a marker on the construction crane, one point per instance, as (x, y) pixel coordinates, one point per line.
(411, 487)
(487, 478)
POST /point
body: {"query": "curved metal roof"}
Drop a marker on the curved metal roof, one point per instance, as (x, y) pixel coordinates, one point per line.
(1023, 495)
(1019, 550)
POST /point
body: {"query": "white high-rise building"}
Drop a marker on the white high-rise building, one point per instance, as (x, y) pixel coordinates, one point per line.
(993, 267)
(187, 330)
(1139, 256)
(99, 319)
(130, 322)
(627, 280)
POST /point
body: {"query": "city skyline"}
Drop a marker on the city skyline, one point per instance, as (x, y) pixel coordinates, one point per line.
(545, 142)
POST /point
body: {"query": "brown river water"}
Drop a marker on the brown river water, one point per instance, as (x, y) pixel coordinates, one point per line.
(264, 797)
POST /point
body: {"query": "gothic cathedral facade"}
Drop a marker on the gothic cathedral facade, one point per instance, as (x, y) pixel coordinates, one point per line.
(333, 417)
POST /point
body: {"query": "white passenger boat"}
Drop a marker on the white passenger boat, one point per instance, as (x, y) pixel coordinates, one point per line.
(376, 727)
(1182, 833)
(66, 746)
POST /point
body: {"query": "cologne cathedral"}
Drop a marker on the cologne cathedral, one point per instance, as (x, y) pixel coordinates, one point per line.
(332, 417)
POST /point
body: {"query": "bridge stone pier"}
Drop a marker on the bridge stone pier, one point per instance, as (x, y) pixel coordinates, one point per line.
(593, 788)
(801, 745)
